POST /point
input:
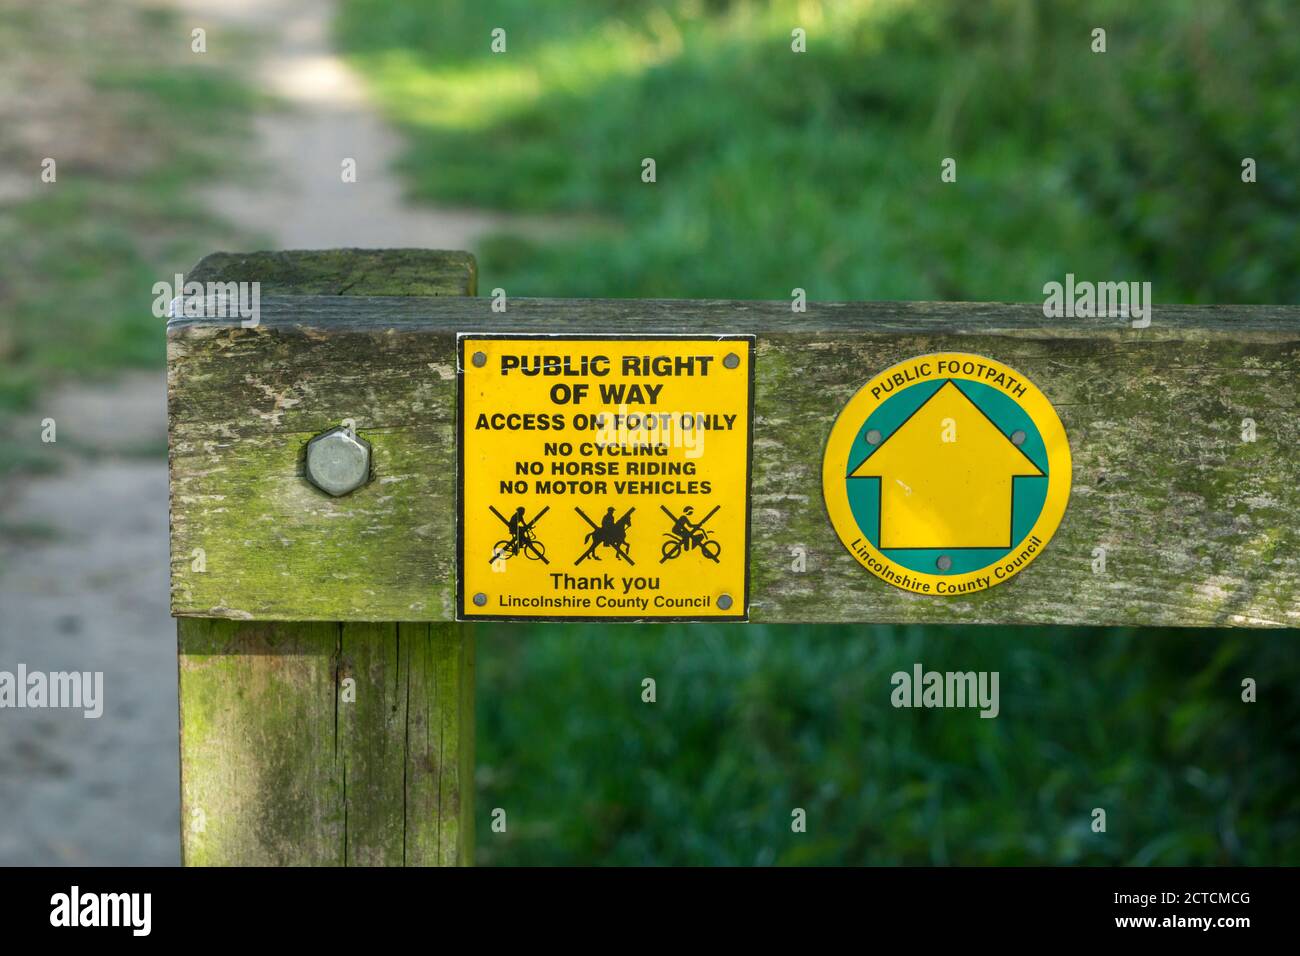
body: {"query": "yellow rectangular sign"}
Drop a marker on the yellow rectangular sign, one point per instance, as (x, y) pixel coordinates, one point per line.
(604, 477)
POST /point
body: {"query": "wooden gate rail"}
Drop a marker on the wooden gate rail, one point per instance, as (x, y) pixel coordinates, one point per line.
(1198, 525)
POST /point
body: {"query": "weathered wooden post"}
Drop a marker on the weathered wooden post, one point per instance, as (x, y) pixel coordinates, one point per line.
(1159, 462)
(328, 726)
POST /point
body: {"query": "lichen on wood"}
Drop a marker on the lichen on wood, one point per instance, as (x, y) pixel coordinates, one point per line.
(330, 742)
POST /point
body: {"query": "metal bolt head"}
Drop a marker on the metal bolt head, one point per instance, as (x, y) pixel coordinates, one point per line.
(338, 461)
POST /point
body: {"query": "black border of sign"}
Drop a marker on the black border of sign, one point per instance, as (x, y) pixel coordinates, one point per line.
(461, 337)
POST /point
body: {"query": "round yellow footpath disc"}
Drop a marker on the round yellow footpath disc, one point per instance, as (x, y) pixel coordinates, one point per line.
(947, 473)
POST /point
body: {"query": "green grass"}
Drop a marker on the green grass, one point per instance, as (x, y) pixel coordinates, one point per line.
(821, 170)
(143, 130)
(752, 722)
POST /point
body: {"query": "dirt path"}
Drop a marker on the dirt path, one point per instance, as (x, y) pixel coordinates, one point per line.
(83, 550)
(83, 587)
(299, 200)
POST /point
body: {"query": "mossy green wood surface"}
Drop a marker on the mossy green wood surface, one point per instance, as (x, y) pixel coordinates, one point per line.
(327, 743)
(1198, 525)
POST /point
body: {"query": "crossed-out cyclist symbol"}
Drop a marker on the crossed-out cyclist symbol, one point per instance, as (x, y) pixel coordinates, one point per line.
(522, 539)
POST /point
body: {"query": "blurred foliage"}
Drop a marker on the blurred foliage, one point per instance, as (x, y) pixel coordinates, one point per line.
(135, 123)
(821, 170)
(751, 722)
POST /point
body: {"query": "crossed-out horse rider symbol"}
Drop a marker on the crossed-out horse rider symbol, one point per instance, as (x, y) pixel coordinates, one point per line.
(610, 533)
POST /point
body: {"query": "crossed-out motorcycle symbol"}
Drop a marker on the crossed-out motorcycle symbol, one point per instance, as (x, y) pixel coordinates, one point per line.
(689, 536)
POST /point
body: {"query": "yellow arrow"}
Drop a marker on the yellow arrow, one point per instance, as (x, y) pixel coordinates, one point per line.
(946, 477)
